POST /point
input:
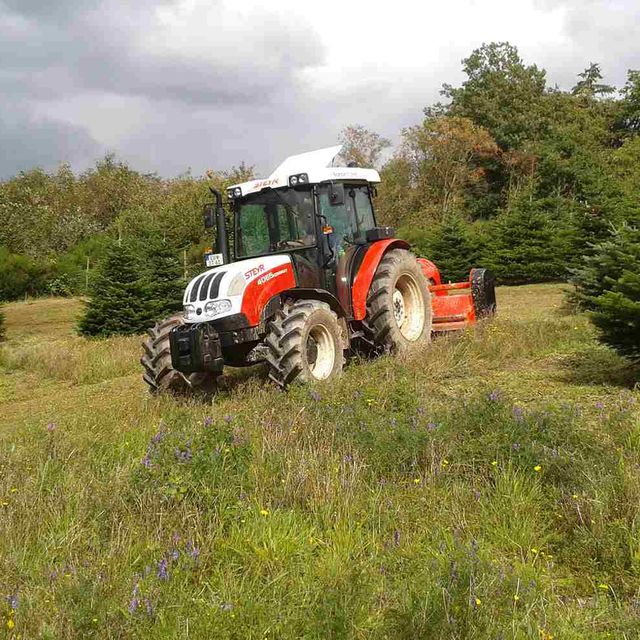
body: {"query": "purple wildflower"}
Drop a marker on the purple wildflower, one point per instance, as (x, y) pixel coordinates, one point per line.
(155, 439)
(348, 458)
(146, 461)
(600, 405)
(494, 396)
(193, 551)
(518, 413)
(13, 601)
(51, 427)
(183, 454)
(477, 495)
(163, 569)
(515, 446)
(431, 426)
(133, 605)
(147, 571)
(315, 395)
(396, 538)
(208, 421)
(227, 418)
(175, 538)
(148, 607)
(175, 554)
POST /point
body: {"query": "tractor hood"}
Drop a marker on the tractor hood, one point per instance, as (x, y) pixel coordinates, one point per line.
(242, 287)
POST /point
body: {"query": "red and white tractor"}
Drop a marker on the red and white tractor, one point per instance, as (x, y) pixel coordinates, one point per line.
(312, 278)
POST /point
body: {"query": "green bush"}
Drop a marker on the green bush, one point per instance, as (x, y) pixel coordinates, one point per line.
(608, 284)
(21, 275)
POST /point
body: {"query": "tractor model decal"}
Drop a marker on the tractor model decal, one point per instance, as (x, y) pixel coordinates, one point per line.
(260, 290)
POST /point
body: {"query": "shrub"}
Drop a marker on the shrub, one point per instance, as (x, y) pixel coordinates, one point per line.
(20, 275)
(608, 285)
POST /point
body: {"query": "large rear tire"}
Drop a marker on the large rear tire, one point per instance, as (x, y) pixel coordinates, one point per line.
(398, 305)
(159, 373)
(306, 344)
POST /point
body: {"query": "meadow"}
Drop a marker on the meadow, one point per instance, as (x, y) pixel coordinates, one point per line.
(487, 487)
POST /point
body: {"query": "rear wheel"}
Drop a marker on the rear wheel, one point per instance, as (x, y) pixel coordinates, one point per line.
(483, 290)
(159, 373)
(399, 304)
(306, 343)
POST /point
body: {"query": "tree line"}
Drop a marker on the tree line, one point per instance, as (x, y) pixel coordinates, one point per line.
(537, 183)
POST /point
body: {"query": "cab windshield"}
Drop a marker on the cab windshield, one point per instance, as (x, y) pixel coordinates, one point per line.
(274, 220)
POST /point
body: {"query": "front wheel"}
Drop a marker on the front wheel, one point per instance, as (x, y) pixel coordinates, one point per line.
(159, 373)
(306, 343)
(399, 304)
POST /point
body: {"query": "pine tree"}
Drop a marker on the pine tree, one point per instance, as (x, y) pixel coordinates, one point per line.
(608, 285)
(120, 300)
(525, 245)
(453, 250)
(166, 282)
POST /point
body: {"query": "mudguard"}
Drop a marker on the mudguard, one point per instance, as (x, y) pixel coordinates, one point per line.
(364, 277)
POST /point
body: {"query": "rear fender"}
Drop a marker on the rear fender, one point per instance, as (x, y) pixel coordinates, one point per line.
(364, 277)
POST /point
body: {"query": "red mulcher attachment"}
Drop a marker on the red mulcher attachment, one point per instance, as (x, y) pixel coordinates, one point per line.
(459, 304)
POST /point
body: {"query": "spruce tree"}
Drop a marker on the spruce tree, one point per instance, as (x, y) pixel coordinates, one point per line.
(452, 249)
(166, 282)
(120, 300)
(608, 285)
(525, 246)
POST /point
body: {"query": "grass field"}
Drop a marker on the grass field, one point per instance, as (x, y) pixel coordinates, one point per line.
(487, 487)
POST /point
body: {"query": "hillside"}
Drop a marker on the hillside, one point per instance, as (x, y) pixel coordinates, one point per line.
(487, 487)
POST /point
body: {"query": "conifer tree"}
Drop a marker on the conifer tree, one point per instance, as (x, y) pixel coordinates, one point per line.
(120, 300)
(166, 283)
(525, 246)
(452, 248)
(608, 285)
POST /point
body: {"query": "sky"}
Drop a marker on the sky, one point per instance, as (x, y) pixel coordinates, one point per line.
(176, 85)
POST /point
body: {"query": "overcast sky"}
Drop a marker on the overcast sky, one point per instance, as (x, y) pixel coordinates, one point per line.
(177, 84)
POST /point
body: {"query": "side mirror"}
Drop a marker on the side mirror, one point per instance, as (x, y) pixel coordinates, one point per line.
(336, 194)
(209, 215)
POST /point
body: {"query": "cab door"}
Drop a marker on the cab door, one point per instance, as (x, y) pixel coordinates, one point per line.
(345, 245)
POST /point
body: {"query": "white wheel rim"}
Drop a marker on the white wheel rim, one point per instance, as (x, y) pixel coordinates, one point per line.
(325, 353)
(408, 307)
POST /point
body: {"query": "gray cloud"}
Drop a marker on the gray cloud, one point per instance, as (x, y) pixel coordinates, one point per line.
(27, 142)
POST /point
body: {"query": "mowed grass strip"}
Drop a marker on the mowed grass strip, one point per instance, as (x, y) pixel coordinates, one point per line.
(485, 487)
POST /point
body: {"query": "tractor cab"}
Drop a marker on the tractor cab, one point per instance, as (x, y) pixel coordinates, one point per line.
(322, 217)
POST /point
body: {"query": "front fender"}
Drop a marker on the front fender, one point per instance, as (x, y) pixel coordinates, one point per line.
(364, 277)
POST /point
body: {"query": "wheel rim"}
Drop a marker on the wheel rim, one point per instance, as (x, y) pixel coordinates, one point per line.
(408, 307)
(321, 353)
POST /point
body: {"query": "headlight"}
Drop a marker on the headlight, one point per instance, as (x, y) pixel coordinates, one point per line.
(303, 178)
(237, 285)
(230, 194)
(237, 192)
(216, 307)
(189, 311)
(293, 180)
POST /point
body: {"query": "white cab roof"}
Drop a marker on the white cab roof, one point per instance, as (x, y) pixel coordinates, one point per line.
(316, 165)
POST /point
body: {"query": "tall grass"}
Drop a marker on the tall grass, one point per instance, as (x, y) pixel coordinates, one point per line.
(474, 490)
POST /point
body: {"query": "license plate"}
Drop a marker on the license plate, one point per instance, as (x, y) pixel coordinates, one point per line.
(213, 259)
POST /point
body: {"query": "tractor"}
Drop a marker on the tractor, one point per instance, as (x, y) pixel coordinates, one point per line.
(311, 280)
